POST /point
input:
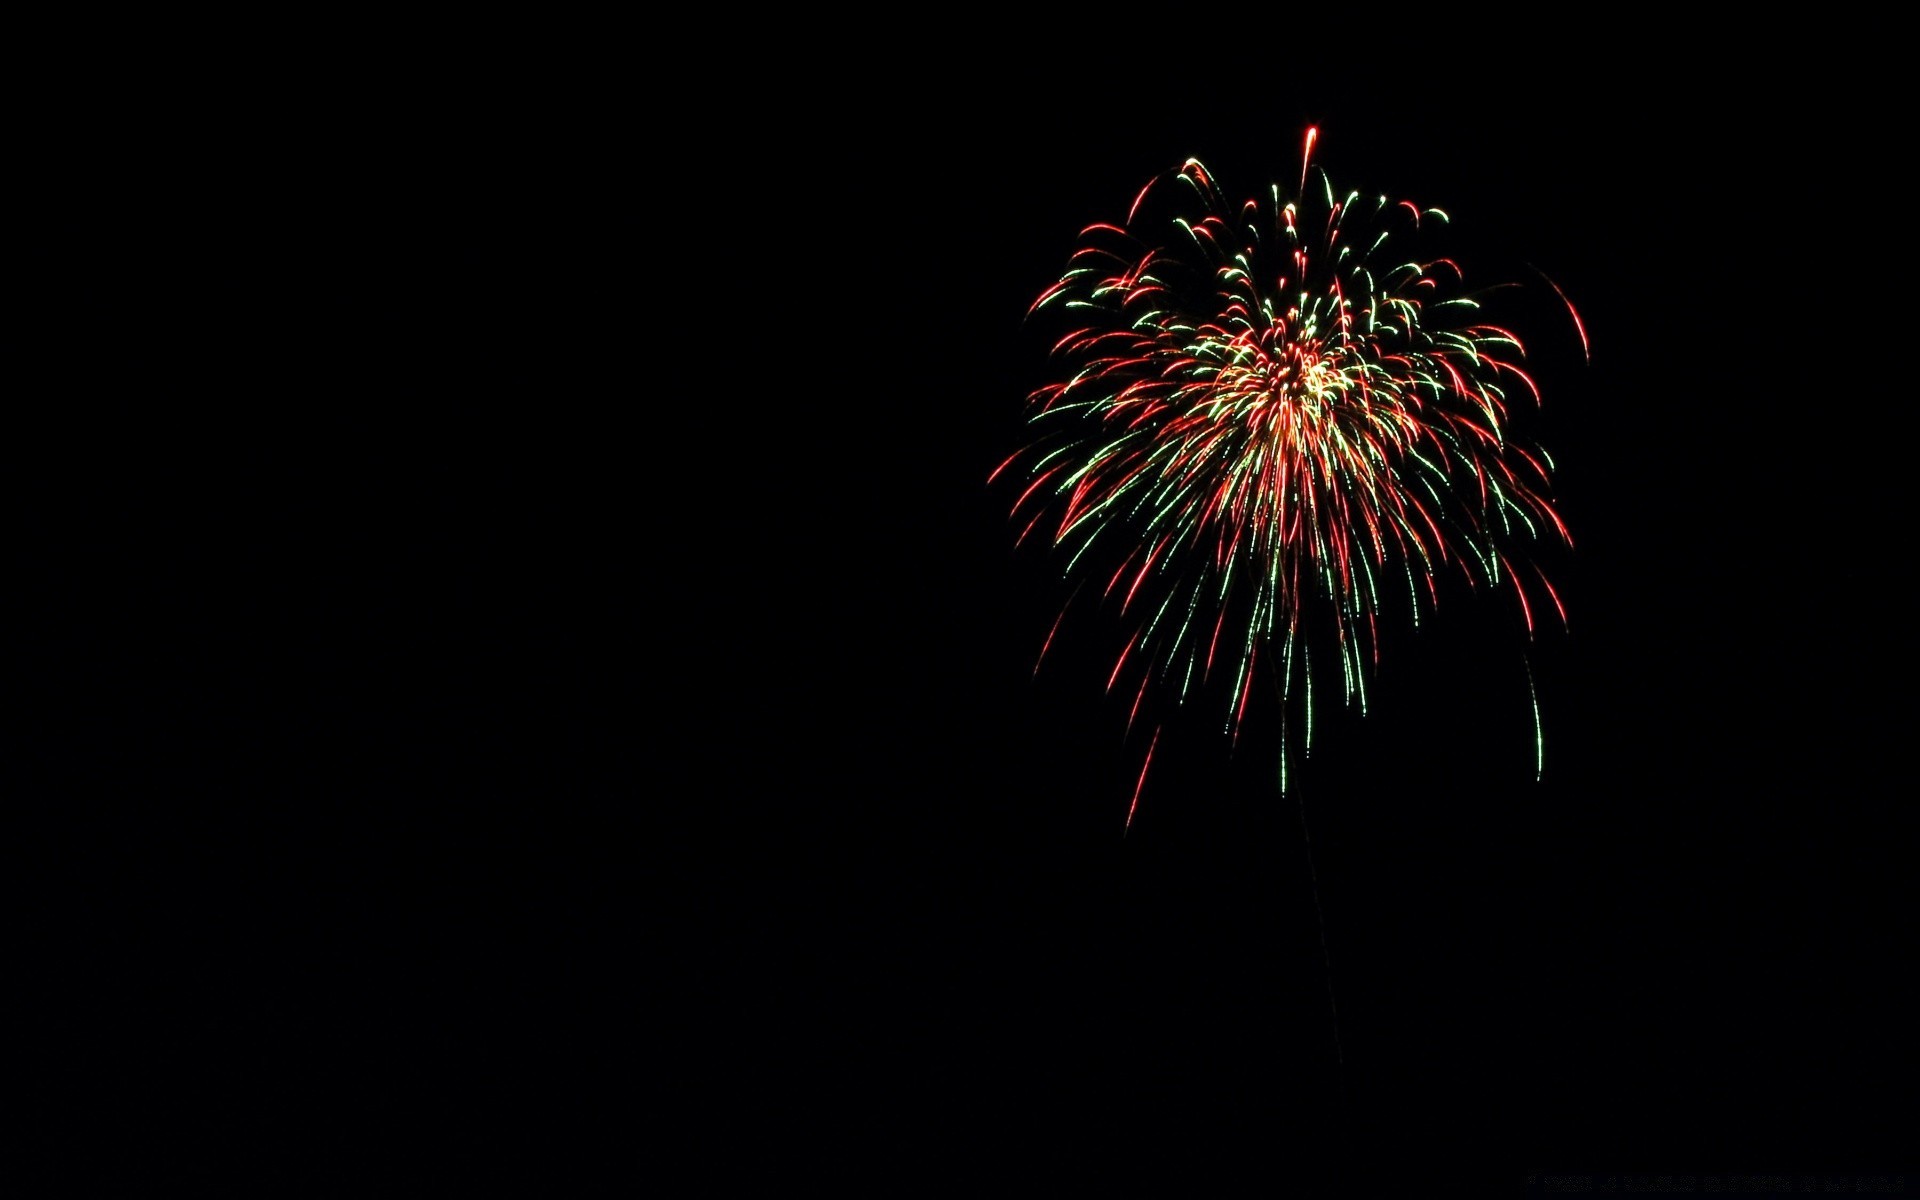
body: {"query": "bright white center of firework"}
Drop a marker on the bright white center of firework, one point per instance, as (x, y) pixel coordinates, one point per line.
(1319, 380)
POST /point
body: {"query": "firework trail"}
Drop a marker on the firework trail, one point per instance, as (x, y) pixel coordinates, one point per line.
(1275, 420)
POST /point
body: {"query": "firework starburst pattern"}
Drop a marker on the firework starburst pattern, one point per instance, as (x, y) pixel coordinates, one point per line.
(1274, 422)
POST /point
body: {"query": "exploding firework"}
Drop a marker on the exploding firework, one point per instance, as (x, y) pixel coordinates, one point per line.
(1273, 423)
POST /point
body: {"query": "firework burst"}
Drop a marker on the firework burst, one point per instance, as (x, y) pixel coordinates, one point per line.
(1276, 419)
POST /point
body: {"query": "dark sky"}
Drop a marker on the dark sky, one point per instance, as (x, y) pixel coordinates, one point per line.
(524, 666)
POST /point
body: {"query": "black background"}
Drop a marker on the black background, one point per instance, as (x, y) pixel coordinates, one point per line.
(523, 667)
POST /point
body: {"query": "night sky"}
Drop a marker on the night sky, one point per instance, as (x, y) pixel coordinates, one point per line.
(524, 668)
